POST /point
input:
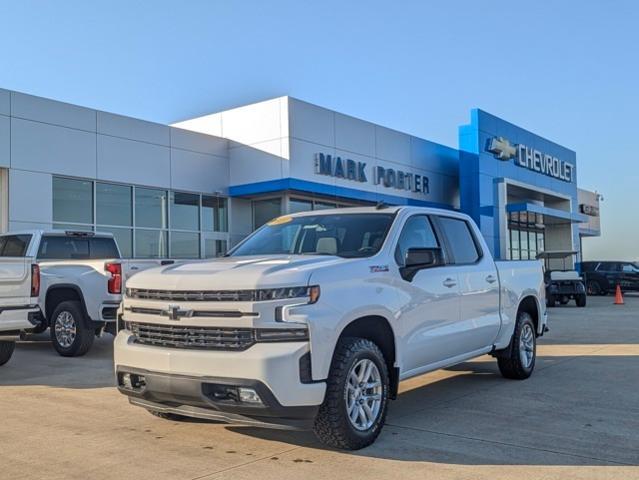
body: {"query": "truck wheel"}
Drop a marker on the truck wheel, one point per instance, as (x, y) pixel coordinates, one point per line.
(69, 333)
(354, 409)
(550, 301)
(581, 300)
(518, 360)
(167, 416)
(6, 350)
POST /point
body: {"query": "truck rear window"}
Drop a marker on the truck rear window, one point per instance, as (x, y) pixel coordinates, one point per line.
(71, 248)
(14, 245)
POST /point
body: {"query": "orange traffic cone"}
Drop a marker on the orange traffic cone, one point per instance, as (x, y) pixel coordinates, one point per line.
(618, 296)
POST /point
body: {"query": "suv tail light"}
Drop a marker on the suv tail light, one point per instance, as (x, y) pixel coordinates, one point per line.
(35, 280)
(115, 282)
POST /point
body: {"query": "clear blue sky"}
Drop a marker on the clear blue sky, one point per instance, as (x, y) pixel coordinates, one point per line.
(567, 70)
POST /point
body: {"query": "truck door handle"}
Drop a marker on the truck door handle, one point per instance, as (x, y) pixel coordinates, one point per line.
(135, 268)
(491, 279)
(449, 282)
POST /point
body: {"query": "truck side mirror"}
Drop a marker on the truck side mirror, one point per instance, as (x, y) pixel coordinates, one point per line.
(420, 258)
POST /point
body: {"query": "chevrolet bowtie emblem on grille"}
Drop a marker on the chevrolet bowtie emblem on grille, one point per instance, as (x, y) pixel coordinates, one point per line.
(501, 148)
(174, 312)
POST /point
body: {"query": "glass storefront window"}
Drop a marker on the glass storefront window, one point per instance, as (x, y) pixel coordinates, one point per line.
(185, 211)
(185, 245)
(214, 214)
(150, 208)
(266, 210)
(123, 237)
(138, 217)
(150, 244)
(114, 204)
(221, 247)
(72, 200)
(324, 205)
(72, 227)
(222, 217)
(298, 205)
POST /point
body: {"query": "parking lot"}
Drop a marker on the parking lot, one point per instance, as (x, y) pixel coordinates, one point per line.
(577, 417)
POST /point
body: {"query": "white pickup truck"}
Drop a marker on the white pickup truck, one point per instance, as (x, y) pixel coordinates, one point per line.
(19, 290)
(315, 318)
(81, 275)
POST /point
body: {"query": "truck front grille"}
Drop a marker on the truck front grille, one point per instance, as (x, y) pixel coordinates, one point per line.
(204, 338)
(194, 295)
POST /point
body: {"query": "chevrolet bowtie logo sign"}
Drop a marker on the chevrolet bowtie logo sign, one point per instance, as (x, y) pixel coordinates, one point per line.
(502, 148)
(531, 158)
(174, 312)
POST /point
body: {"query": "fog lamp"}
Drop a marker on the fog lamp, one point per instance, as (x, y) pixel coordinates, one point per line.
(126, 381)
(248, 395)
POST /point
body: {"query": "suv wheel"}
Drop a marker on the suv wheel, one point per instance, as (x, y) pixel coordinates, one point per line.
(581, 300)
(354, 409)
(518, 360)
(6, 350)
(594, 288)
(70, 335)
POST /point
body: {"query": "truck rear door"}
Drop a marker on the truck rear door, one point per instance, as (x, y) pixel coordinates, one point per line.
(480, 319)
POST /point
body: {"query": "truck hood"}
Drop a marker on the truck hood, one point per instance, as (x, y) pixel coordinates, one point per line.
(234, 273)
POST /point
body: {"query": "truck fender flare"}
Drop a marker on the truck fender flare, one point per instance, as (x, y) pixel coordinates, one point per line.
(66, 286)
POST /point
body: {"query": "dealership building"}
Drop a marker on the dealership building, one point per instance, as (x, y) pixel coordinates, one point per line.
(195, 188)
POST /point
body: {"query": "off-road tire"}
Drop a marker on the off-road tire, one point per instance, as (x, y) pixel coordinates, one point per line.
(509, 360)
(84, 335)
(332, 425)
(580, 300)
(6, 350)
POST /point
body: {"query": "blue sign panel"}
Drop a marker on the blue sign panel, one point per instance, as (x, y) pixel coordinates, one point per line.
(493, 151)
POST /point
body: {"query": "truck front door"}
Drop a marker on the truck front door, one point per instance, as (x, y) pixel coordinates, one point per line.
(430, 301)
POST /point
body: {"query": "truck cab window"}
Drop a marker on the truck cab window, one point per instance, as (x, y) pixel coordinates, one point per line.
(417, 233)
(14, 245)
(460, 238)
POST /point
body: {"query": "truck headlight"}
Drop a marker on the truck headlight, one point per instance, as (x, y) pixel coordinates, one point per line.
(312, 293)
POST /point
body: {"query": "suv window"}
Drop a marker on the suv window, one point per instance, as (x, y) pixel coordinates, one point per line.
(630, 268)
(14, 245)
(55, 247)
(417, 233)
(461, 240)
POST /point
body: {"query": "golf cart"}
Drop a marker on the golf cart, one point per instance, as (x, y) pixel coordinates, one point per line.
(562, 285)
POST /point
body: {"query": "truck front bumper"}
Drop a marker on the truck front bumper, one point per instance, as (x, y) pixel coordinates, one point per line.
(207, 383)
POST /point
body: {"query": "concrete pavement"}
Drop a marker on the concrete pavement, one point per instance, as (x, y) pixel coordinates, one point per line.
(577, 417)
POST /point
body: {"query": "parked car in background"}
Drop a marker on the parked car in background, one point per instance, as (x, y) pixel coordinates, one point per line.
(19, 290)
(603, 277)
(563, 283)
(313, 320)
(82, 276)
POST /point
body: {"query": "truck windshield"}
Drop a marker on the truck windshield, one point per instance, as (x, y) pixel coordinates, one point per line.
(344, 235)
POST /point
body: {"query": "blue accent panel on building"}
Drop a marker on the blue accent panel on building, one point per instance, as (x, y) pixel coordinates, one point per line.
(296, 184)
(480, 172)
(572, 217)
